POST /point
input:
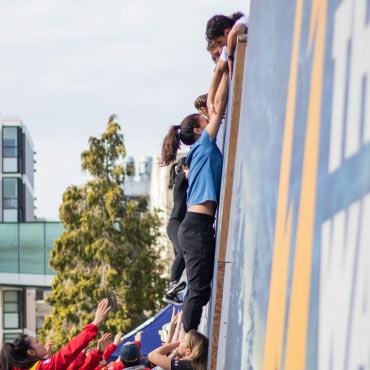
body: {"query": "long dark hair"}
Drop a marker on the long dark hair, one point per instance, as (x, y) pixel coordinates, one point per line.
(175, 169)
(183, 133)
(15, 354)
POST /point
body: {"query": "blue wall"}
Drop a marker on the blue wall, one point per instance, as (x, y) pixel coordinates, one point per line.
(325, 321)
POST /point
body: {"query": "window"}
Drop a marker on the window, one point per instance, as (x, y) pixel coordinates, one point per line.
(10, 199)
(12, 309)
(39, 294)
(10, 149)
(10, 337)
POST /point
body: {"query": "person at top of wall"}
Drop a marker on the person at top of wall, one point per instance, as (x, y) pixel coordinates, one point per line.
(179, 183)
(27, 353)
(189, 354)
(223, 31)
(196, 234)
(200, 105)
(214, 50)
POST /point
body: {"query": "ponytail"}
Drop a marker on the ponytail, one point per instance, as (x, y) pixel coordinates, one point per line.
(171, 144)
(179, 133)
(16, 354)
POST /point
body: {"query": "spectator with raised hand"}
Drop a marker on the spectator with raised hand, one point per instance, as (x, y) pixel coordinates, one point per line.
(111, 348)
(189, 354)
(94, 358)
(196, 233)
(176, 334)
(27, 353)
(168, 330)
(130, 356)
(223, 31)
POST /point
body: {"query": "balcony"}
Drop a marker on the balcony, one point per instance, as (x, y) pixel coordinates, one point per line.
(25, 251)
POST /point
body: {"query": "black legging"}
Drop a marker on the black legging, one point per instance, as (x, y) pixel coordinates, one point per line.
(178, 264)
(197, 241)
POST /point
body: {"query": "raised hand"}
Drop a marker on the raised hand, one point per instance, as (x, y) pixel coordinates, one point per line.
(104, 341)
(138, 336)
(49, 346)
(101, 312)
(174, 316)
(117, 339)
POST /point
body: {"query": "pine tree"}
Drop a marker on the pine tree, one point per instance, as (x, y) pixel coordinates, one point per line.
(107, 249)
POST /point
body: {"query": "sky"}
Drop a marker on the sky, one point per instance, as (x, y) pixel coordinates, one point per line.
(66, 66)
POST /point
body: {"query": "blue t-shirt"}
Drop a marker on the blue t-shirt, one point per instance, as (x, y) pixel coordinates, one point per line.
(205, 168)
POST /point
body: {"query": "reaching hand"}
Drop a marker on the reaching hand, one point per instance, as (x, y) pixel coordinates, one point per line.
(138, 336)
(174, 316)
(104, 341)
(117, 339)
(101, 312)
(49, 346)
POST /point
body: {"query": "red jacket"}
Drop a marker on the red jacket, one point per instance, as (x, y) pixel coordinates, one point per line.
(105, 357)
(78, 362)
(93, 360)
(64, 357)
(109, 351)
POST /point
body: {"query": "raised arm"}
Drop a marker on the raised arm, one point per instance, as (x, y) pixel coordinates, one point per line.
(231, 44)
(233, 37)
(220, 105)
(63, 358)
(176, 334)
(159, 356)
(221, 67)
(173, 323)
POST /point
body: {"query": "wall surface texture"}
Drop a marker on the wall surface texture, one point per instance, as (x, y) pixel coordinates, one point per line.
(297, 285)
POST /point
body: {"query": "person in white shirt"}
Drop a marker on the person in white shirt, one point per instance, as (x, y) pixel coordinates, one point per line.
(223, 32)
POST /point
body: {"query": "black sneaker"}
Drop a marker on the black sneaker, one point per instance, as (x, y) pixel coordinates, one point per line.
(173, 298)
(176, 287)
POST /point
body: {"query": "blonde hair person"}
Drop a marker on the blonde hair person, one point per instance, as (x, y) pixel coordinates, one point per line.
(190, 354)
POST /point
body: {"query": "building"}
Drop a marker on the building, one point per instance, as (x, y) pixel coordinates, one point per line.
(138, 184)
(25, 242)
(17, 171)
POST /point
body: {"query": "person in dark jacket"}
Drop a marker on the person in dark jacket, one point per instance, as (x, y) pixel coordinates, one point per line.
(179, 183)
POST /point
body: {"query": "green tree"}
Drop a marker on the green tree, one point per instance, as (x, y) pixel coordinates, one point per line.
(107, 249)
